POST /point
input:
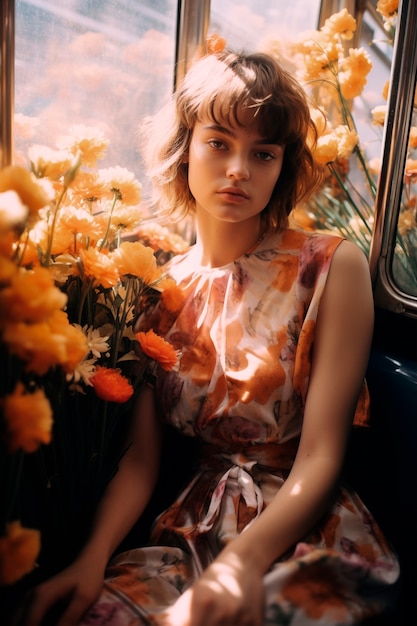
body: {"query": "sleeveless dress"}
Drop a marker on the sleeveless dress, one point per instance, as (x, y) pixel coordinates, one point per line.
(246, 332)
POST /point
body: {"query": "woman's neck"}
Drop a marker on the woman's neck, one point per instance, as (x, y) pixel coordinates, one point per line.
(221, 243)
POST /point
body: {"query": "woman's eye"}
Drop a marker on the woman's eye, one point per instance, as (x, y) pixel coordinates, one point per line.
(265, 156)
(216, 144)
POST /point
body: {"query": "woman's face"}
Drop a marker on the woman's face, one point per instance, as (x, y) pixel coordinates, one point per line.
(232, 170)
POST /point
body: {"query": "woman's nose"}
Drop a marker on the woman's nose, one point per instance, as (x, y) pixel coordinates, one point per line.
(238, 167)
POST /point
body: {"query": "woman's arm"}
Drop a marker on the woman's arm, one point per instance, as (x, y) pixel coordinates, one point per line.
(341, 351)
(122, 504)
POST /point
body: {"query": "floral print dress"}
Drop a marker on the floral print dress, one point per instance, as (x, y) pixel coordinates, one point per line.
(246, 332)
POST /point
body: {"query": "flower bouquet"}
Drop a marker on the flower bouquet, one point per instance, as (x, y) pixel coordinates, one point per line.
(78, 262)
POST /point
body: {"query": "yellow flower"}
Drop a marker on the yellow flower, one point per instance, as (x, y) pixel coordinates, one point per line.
(341, 23)
(387, 8)
(122, 183)
(160, 238)
(73, 339)
(347, 141)
(46, 344)
(31, 296)
(99, 267)
(135, 259)
(50, 163)
(410, 171)
(88, 140)
(76, 221)
(19, 550)
(87, 186)
(31, 192)
(28, 419)
(326, 149)
(378, 115)
(355, 68)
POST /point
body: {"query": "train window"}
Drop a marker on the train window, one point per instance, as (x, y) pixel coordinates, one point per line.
(97, 63)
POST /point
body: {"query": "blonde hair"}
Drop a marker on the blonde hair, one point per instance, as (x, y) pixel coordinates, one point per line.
(224, 87)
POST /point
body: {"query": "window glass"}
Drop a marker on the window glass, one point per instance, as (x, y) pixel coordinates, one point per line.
(102, 63)
(405, 255)
(248, 22)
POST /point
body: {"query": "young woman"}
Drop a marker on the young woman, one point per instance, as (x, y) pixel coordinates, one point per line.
(274, 329)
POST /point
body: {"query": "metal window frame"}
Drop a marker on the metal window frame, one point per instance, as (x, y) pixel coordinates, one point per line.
(396, 133)
(7, 37)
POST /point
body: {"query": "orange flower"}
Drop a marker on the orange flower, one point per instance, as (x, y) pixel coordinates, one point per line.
(100, 267)
(158, 349)
(31, 296)
(172, 298)
(29, 419)
(19, 550)
(135, 259)
(19, 179)
(110, 385)
(215, 43)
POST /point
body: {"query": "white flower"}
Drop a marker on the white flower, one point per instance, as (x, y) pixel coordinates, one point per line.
(84, 371)
(96, 343)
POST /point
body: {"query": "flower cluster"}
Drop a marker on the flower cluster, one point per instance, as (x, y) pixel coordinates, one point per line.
(334, 75)
(76, 261)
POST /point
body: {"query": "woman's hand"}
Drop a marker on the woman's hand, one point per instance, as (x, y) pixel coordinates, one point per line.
(74, 589)
(228, 593)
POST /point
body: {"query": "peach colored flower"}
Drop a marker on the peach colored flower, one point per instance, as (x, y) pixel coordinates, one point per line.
(355, 68)
(19, 549)
(134, 259)
(76, 221)
(34, 345)
(122, 183)
(46, 344)
(385, 90)
(378, 115)
(347, 141)
(48, 162)
(28, 419)
(158, 349)
(31, 192)
(326, 149)
(100, 267)
(160, 238)
(215, 43)
(74, 340)
(341, 23)
(87, 186)
(89, 140)
(31, 296)
(387, 8)
(110, 385)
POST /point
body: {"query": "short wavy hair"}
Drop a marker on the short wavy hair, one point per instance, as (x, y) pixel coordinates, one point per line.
(224, 87)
